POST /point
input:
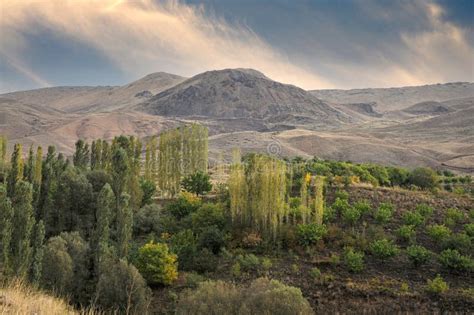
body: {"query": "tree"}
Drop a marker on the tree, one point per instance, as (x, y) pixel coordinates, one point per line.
(81, 155)
(198, 183)
(120, 171)
(124, 226)
(6, 230)
(96, 155)
(23, 221)
(38, 251)
(29, 170)
(121, 288)
(16, 171)
(148, 188)
(423, 177)
(318, 199)
(58, 268)
(3, 153)
(157, 264)
(38, 167)
(105, 206)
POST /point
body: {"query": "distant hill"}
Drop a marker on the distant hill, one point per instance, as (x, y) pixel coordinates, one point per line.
(239, 93)
(83, 99)
(391, 99)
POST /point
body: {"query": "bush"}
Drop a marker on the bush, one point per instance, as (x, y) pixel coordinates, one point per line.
(184, 245)
(454, 216)
(425, 210)
(363, 207)
(342, 194)
(438, 232)
(436, 286)
(384, 213)
(469, 229)
(205, 261)
(211, 238)
(451, 259)
(413, 218)
(198, 183)
(263, 296)
(340, 205)
(424, 178)
(248, 262)
(184, 205)
(418, 255)
(329, 214)
(207, 215)
(406, 233)
(147, 220)
(383, 248)
(157, 264)
(148, 188)
(315, 273)
(460, 241)
(121, 288)
(353, 260)
(310, 234)
(350, 215)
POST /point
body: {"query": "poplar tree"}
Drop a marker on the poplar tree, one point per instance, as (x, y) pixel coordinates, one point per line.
(3, 152)
(38, 251)
(16, 171)
(81, 155)
(120, 171)
(134, 161)
(29, 171)
(38, 166)
(148, 172)
(23, 221)
(105, 206)
(318, 199)
(6, 229)
(106, 156)
(96, 155)
(124, 226)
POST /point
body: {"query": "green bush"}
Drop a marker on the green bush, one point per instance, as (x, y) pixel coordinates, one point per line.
(451, 259)
(315, 273)
(121, 288)
(147, 220)
(329, 214)
(438, 232)
(248, 262)
(157, 264)
(454, 216)
(425, 210)
(310, 234)
(263, 296)
(207, 215)
(424, 178)
(363, 206)
(406, 233)
(211, 238)
(183, 206)
(469, 229)
(413, 218)
(418, 255)
(184, 245)
(205, 261)
(342, 194)
(436, 286)
(350, 215)
(460, 241)
(383, 248)
(198, 183)
(340, 205)
(353, 260)
(384, 213)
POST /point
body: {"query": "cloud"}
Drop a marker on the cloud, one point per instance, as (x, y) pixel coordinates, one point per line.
(143, 36)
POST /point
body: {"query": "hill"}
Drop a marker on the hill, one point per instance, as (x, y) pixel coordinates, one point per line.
(239, 93)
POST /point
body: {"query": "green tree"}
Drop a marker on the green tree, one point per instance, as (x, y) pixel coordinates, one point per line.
(38, 251)
(105, 206)
(23, 221)
(198, 183)
(148, 188)
(120, 172)
(423, 177)
(124, 226)
(29, 168)
(157, 264)
(96, 155)
(3, 153)
(58, 268)
(16, 170)
(6, 229)
(81, 155)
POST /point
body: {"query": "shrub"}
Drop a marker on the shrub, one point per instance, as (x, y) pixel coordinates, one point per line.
(266, 263)
(383, 248)
(315, 273)
(121, 288)
(469, 229)
(350, 215)
(198, 183)
(340, 205)
(248, 262)
(436, 286)
(263, 296)
(157, 264)
(251, 240)
(384, 213)
(423, 177)
(148, 188)
(438, 232)
(363, 207)
(236, 270)
(406, 233)
(342, 194)
(310, 234)
(184, 245)
(207, 215)
(413, 218)
(147, 220)
(451, 259)
(211, 238)
(418, 255)
(460, 241)
(424, 210)
(205, 261)
(329, 214)
(454, 216)
(353, 260)
(184, 205)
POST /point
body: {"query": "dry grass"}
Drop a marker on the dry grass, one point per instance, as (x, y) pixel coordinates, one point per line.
(18, 298)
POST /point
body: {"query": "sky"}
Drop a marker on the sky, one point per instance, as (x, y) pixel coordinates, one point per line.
(314, 44)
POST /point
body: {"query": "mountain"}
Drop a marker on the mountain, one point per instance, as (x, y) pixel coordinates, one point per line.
(239, 93)
(391, 99)
(82, 99)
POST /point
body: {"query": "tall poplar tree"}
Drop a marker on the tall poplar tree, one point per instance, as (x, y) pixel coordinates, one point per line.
(38, 166)
(105, 208)
(38, 252)
(120, 171)
(124, 226)
(29, 170)
(81, 155)
(16, 171)
(6, 230)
